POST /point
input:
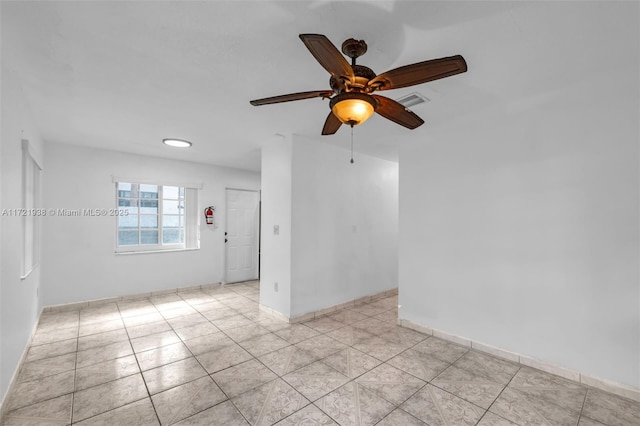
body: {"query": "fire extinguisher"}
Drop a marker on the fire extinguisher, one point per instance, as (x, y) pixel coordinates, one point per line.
(208, 214)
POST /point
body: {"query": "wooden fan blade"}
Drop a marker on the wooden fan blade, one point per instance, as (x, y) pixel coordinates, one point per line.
(328, 55)
(419, 73)
(331, 125)
(292, 97)
(398, 113)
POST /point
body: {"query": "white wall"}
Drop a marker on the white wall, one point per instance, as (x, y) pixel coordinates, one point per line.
(519, 222)
(338, 225)
(79, 260)
(19, 301)
(345, 226)
(275, 260)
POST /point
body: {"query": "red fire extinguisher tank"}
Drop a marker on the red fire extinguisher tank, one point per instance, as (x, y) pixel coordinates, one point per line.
(208, 215)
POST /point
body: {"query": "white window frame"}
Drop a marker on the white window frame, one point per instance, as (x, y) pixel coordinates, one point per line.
(31, 220)
(191, 220)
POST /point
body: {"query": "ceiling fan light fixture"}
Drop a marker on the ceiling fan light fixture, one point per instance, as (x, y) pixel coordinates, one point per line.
(353, 108)
(354, 84)
(177, 143)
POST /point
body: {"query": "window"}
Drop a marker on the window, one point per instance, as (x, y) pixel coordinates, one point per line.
(31, 171)
(155, 217)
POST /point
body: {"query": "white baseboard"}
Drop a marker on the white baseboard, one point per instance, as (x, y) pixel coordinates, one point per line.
(324, 311)
(16, 373)
(273, 312)
(98, 302)
(548, 367)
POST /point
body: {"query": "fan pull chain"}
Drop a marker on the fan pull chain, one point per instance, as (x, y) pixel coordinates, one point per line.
(352, 144)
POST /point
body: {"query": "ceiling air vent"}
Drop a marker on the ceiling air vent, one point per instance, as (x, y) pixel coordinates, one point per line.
(413, 99)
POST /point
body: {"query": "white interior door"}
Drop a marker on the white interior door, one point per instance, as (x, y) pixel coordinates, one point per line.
(241, 235)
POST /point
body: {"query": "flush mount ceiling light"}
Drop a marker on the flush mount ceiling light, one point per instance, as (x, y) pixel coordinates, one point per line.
(177, 143)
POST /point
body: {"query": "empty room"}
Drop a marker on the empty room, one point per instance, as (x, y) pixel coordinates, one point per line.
(320, 213)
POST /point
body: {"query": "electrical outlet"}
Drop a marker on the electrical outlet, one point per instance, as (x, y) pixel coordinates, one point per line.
(275, 286)
(276, 229)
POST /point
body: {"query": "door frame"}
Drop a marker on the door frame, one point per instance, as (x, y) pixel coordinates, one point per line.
(226, 221)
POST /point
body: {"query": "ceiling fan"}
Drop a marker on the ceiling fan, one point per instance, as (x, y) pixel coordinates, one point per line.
(354, 84)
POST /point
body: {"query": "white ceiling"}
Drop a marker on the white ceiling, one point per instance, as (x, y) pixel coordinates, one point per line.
(124, 75)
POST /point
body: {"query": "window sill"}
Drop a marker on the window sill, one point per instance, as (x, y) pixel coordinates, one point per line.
(127, 253)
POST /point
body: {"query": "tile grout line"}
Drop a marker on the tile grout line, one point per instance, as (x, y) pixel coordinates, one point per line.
(139, 368)
(195, 394)
(500, 394)
(353, 380)
(21, 370)
(78, 313)
(281, 377)
(320, 333)
(192, 355)
(210, 375)
(584, 401)
(225, 393)
(255, 320)
(75, 371)
(129, 337)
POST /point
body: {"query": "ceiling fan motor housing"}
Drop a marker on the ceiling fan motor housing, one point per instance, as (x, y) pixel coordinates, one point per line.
(362, 75)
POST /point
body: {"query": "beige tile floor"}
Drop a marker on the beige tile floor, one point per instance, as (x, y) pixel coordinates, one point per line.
(213, 358)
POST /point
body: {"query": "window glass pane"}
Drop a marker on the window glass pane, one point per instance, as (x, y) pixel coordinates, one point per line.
(172, 236)
(125, 202)
(130, 210)
(127, 238)
(148, 206)
(123, 186)
(30, 188)
(181, 192)
(128, 202)
(149, 237)
(127, 195)
(172, 207)
(148, 191)
(148, 221)
(171, 221)
(128, 222)
(135, 190)
(170, 192)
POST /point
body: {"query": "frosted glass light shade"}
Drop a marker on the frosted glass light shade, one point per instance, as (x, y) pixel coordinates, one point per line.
(353, 108)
